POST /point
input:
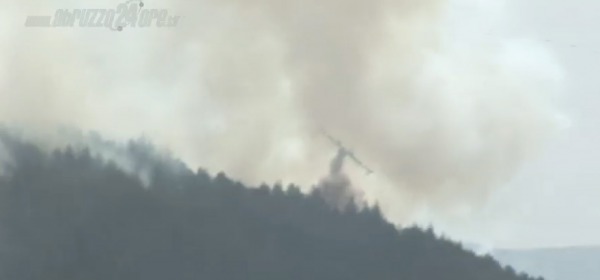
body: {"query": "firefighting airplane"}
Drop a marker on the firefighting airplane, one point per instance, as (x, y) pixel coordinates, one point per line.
(343, 151)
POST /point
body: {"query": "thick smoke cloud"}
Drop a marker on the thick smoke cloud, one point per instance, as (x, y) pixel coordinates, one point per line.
(336, 188)
(440, 109)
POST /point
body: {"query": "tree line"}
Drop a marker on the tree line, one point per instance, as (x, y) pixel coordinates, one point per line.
(74, 214)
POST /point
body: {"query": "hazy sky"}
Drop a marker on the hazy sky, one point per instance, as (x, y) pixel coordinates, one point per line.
(555, 200)
(136, 82)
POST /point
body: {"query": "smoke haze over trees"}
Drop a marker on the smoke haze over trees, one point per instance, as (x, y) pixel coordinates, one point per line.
(129, 212)
(442, 112)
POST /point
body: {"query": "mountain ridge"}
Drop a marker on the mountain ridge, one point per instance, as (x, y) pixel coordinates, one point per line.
(71, 214)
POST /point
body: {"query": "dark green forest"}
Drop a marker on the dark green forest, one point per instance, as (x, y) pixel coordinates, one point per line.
(74, 214)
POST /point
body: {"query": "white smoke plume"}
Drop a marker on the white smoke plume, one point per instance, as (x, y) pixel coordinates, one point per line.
(439, 97)
(336, 188)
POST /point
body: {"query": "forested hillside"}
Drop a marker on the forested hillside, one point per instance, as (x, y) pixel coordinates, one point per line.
(74, 214)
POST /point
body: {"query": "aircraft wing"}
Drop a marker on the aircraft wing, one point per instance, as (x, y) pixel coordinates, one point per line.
(348, 152)
(357, 161)
(333, 140)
